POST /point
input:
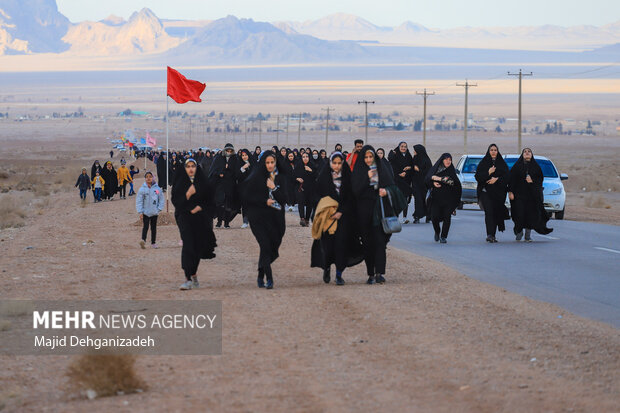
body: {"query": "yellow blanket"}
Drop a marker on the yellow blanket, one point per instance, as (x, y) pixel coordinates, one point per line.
(323, 221)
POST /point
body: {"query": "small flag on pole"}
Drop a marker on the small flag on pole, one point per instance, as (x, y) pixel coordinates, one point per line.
(183, 90)
(150, 141)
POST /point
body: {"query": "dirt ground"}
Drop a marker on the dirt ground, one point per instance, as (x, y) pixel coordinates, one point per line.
(429, 340)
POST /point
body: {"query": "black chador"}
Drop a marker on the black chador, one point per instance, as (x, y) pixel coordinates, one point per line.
(335, 213)
(108, 173)
(492, 177)
(162, 164)
(528, 210)
(264, 198)
(402, 165)
(367, 181)
(445, 195)
(421, 165)
(195, 224)
(223, 174)
(305, 177)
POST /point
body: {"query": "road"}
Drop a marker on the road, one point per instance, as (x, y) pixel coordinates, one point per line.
(577, 266)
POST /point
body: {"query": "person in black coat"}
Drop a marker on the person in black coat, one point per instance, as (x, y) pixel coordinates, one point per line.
(176, 163)
(402, 165)
(84, 184)
(223, 174)
(162, 165)
(526, 197)
(243, 172)
(421, 165)
(341, 248)
(369, 181)
(305, 176)
(492, 176)
(445, 194)
(192, 197)
(111, 181)
(288, 167)
(264, 198)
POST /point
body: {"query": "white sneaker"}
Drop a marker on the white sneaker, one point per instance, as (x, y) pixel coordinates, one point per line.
(187, 285)
(195, 282)
(244, 225)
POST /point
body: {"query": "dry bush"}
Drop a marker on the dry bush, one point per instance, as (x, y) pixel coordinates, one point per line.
(11, 212)
(596, 201)
(4, 175)
(105, 374)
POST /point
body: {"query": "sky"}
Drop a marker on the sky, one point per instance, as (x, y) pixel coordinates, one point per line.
(430, 13)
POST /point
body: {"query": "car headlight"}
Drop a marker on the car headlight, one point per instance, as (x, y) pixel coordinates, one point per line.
(557, 191)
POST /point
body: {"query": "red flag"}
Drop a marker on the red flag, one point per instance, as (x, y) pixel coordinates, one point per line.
(181, 89)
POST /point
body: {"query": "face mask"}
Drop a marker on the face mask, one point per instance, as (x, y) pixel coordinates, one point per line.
(315, 156)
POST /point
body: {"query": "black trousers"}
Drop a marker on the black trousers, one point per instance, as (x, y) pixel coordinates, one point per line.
(305, 205)
(489, 213)
(374, 244)
(441, 214)
(189, 253)
(419, 197)
(123, 189)
(152, 222)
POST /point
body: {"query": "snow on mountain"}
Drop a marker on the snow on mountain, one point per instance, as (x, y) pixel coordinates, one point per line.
(31, 26)
(142, 33)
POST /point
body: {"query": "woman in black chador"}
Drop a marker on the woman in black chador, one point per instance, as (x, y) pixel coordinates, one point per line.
(264, 198)
(192, 198)
(305, 177)
(492, 176)
(370, 181)
(402, 165)
(334, 241)
(223, 175)
(526, 197)
(421, 165)
(246, 161)
(111, 181)
(445, 195)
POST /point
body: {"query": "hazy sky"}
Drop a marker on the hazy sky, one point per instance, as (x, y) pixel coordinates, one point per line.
(430, 13)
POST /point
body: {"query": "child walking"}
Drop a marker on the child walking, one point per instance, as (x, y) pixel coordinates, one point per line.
(83, 182)
(149, 203)
(98, 185)
(132, 171)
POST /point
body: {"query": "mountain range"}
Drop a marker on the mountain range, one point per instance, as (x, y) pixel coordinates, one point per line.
(36, 26)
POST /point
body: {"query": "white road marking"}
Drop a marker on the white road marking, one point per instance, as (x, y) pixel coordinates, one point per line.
(546, 236)
(607, 249)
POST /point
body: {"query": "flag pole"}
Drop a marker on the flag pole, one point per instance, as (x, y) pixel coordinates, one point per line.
(167, 152)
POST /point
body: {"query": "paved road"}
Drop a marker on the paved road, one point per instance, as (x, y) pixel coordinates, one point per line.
(577, 266)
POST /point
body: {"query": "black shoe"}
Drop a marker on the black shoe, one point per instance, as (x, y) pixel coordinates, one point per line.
(436, 237)
(260, 281)
(490, 238)
(339, 280)
(371, 280)
(326, 276)
(380, 279)
(427, 220)
(269, 284)
(519, 235)
(227, 225)
(443, 240)
(494, 239)
(219, 224)
(416, 220)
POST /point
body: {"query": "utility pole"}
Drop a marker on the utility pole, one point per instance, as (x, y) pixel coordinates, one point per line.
(366, 102)
(287, 116)
(299, 131)
(327, 125)
(425, 94)
(467, 85)
(278, 131)
(520, 74)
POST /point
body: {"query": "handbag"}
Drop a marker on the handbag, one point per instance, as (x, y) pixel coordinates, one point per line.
(390, 225)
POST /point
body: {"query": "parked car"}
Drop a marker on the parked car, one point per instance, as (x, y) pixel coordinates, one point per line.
(465, 171)
(553, 188)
